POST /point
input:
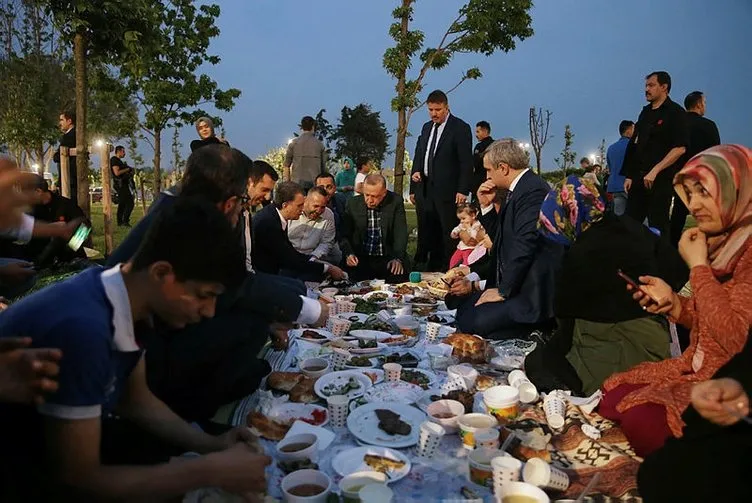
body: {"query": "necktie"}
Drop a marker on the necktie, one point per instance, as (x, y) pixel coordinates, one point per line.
(432, 148)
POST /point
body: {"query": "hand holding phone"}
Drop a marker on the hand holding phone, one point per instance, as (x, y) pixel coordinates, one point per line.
(654, 295)
(79, 236)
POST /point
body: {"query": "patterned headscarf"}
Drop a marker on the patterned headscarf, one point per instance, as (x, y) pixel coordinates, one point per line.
(725, 171)
(571, 207)
(209, 123)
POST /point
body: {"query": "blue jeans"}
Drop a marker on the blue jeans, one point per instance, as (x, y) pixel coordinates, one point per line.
(619, 204)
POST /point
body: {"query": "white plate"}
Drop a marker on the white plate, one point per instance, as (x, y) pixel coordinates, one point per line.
(448, 319)
(433, 380)
(351, 317)
(340, 378)
(298, 333)
(368, 351)
(325, 436)
(425, 399)
(377, 372)
(371, 334)
(380, 293)
(364, 425)
(352, 461)
(290, 410)
(398, 392)
(374, 364)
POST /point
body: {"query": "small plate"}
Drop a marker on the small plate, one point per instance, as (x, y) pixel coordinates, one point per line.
(298, 333)
(378, 293)
(397, 392)
(433, 380)
(425, 399)
(353, 460)
(374, 364)
(364, 424)
(325, 436)
(378, 373)
(340, 378)
(291, 410)
(361, 318)
(371, 334)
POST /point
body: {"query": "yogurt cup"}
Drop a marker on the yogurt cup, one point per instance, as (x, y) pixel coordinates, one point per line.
(479, 462)
(471, 423)
(502, 402)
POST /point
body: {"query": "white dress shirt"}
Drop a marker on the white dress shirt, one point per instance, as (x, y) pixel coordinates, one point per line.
(439, 131)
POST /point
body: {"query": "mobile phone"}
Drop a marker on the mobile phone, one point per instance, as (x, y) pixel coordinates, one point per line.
(633, 283)
(78, 238)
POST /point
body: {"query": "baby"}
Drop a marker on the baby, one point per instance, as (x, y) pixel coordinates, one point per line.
(468, 215)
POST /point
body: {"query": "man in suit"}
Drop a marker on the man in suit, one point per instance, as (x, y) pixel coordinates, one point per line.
(483, 135)
(123, 185)
(272, 250)
(67, 123)
(519, 296)
(335, 201)
(441, 178)
(375, 233)
(703, 134)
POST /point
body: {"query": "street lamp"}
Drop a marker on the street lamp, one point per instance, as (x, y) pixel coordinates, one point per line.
(99, 143)
(35, 167)
(592, 158)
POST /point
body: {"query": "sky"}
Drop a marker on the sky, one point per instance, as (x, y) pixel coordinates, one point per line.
(586, 63)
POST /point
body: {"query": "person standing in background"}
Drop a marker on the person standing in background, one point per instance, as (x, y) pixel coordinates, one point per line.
(345, 179)
(67, 124)
(363, 167)
(306, 156)
(205, 130)
(615, 160)
(483, 135)
(123, 185)
(703, 134)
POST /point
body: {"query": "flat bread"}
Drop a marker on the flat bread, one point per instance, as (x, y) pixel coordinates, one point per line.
(467, 348)
(283, 381)
(303, 391)
(382, 464)
(267, 428)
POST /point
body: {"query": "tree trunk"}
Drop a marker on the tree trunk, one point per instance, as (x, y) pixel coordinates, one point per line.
(143, 193)
(82, 149)
(157, 160)
(40, 160)
(538, 161)
(399, 154)
(104, 166)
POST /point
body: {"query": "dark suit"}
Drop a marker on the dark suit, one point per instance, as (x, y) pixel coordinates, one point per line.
(703, 134)
(69, 140)
(479, 172)
(273, 252)
(526, 265)
(338, 205)
(451, 173)
(393, 237)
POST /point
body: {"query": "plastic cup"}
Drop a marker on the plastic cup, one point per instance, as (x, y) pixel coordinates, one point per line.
(415, 277)
(338, 326)
(502, 402)
(432, 331)
(453, 383)
(541, 474)
(556, 411)
(375, 493)
(346, 307)
(338, 406)
(392, 372)
(528, 391)
(310, 452)
(470, 424)
(479, 462)
(429, 439)
(466, 372)
(505, 469)
(487, 439)
(340, 358)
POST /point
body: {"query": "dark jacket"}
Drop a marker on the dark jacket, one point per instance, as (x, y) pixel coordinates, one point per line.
(479, 172)
(452, 166)
(212, 140)
(703, 134)
(338, 205)
(272, 250)
(393, 227)
(68, 140)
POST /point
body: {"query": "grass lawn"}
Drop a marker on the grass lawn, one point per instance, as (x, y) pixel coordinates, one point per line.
(119, 233)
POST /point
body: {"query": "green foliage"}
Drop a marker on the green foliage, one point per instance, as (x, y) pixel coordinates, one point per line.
(567, 157)
(178, 163)
(276, 158)
(361, 133)
(560, 174)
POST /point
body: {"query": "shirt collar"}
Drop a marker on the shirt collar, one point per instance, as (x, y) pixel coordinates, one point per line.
(122, 317)
(282, 219)
(517, 179)
(69, 129)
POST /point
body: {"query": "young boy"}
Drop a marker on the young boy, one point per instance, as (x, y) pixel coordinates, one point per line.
(103, 412)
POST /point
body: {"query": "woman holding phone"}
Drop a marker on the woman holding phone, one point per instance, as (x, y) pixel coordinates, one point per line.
(648, 400)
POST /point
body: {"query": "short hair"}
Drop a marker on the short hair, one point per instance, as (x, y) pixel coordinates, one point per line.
(260, 169)
(484, 125)
(362, 161)
(321, 176)
(307, 123)
(41, 184)
(179, 236)
(693, 99)
(624, 125)
(509, 152)
(69, 114)
(375, 179)
(585, 159)
(317, 190)
(663, 78)
(216, 173)
(438, 96)
(286, 192)
(119, 148)
(468, 208)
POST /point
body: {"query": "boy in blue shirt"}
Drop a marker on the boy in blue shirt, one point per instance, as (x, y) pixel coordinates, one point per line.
(63, 449)
(615, 160)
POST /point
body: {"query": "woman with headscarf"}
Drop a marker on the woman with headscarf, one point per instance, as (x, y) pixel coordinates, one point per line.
(205, 130)
(600, 328)
(648, 400)
(345, 179)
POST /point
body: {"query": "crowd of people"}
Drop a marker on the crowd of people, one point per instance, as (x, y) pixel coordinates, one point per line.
(127, 368)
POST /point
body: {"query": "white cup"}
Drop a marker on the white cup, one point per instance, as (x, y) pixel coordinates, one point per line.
(350, 485)
(466, 372)
(375, 493)
(346, 307)
(338, 407)
(505, 469)
(429, 438)
(340, 358)
(306, 477)
(432, 331)
(392, 371)
(338, 326)
(556, 411)
(487, 439)
(522, 489)
(541, 474)
(309, 452)
(528, 391)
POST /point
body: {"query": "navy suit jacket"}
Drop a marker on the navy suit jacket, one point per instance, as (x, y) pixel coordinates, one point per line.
(272, 250)
(452, 167)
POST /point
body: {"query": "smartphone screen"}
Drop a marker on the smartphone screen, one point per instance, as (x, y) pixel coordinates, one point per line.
(78, 238)
(633, 283)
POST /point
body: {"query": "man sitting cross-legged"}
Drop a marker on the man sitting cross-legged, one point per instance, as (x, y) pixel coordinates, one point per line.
(83, 442)
(314, 233)
(273, 252)
(375, 233)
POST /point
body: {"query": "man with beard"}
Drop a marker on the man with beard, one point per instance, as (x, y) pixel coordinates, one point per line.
(314, 233)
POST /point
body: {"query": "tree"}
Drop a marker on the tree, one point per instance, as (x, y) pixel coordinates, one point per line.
(602, 153)
(568, 156)
(177, 159)
(481, 26)
(276, 158)
(538, 123)
(361, 133)
(140, 177)
(169, 82)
